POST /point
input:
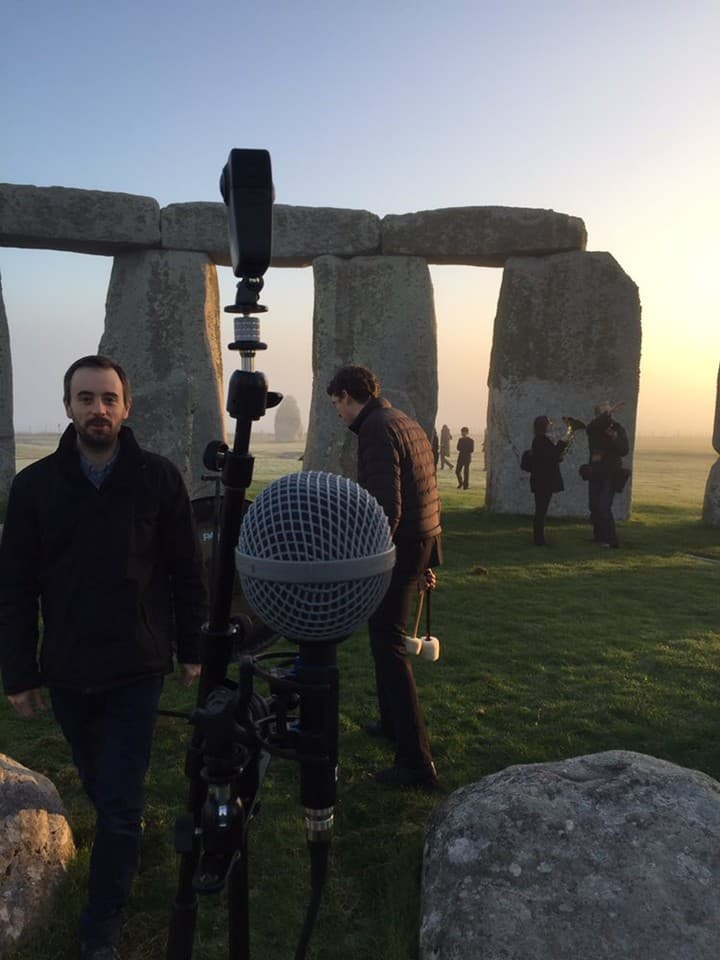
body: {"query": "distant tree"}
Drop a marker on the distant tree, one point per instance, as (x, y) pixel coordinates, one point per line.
(288, 425)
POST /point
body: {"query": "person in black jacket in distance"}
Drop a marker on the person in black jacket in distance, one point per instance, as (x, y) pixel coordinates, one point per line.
(608, 444)
(395, 465)
(545, 476)
(100, 535)
(465, 448)
(445, 438)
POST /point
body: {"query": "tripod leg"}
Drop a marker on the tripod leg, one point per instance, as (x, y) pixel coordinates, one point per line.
(181, 934)
(182, 929)
(238, 908)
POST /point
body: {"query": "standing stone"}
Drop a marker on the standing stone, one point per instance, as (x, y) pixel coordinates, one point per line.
(288, 423)
(711, 502)
(36, 845)
(162, 324)
(377, 312)
(7, 435)
(567, 335)
(613, 855)
(716, 425)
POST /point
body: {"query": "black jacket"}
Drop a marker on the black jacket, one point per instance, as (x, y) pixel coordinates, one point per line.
(396, 465)
(117, 572)
(608, 444)
(545, 476)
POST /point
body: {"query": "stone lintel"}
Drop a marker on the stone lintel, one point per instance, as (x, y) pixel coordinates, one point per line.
(82, 221)
(481, 236)
(300, 234)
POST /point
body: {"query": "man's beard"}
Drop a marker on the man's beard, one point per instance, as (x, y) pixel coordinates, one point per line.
(96, 441)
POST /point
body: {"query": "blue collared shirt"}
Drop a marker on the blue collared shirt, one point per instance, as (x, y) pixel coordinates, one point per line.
(98, 475)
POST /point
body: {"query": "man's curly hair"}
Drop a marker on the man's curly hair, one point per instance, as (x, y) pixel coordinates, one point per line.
(358, 382)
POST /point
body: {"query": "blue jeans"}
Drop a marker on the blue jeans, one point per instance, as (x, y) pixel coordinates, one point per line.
(110, 735)
(601, 492)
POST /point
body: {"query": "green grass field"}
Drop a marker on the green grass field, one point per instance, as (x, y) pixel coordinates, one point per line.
(545, 654)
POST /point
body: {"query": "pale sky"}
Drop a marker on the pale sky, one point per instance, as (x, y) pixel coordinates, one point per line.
(609, 112)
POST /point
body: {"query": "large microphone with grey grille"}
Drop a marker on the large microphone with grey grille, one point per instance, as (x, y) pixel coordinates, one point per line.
(315, 556)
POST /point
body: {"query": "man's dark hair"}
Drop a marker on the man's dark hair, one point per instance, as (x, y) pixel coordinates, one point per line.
(98, 362)
(358, 382)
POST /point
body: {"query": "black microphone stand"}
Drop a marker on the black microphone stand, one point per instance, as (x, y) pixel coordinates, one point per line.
(236, 732)
(224, 773)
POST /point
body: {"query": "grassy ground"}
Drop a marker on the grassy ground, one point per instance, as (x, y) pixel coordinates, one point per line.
(545, 654)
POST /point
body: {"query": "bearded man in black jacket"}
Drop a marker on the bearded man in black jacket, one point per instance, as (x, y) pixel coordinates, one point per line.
(395, 465)
(99, 538)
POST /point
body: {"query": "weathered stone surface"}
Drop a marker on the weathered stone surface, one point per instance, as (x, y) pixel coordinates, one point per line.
(567, 335)
(7, 434)
(716, 425)
(711, 501)
(378, 312)
(201, 227)
(162, 324)
(85, 221)
(481, 236)
(36, 845)
(613, 855)
(288, 423)
(300, 234)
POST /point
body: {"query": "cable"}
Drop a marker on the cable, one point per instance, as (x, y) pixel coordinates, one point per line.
(319, 854)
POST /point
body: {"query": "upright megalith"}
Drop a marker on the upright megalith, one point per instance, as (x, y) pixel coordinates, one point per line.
(378, 312)
(288, 422)
(7, 435)
(567, 335)
(716, 425)
(162, 323)
(711, 502)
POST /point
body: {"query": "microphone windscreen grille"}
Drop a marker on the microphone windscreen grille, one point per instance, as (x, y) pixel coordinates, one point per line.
(312, 517)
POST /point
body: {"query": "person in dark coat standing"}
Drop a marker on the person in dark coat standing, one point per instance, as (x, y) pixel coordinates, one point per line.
(465, 448)
(395, 465)
(99, 539)
(545, 476)
(608, 444)
(445, 438)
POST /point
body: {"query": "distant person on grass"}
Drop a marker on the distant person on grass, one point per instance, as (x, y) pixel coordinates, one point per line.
(545, 476)
(100, 538)
(395, 465)
(465, 449)
(608, 444)
(445, 438)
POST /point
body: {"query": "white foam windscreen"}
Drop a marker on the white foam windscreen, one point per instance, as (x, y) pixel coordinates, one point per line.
(315, 556)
